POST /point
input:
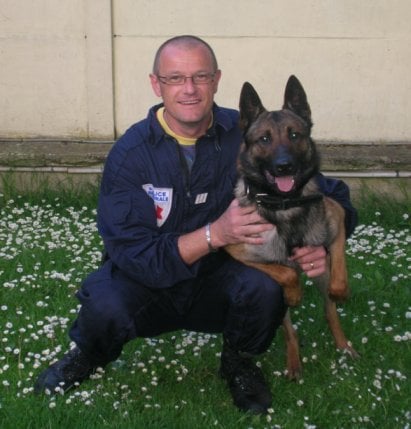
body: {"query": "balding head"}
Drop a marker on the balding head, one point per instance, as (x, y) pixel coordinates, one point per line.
(186, 42)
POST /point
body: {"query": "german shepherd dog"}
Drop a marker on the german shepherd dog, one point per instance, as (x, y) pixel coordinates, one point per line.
(277, 165)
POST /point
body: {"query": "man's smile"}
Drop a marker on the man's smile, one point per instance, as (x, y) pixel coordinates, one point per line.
(189, 102)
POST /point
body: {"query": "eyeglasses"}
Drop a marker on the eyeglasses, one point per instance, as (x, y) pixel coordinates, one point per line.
(179, 79)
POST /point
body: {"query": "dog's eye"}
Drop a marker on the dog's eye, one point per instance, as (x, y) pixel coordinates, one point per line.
(264, 139)
(293, 135)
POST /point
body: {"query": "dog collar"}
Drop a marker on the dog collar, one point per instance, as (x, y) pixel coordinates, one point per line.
(277, 203)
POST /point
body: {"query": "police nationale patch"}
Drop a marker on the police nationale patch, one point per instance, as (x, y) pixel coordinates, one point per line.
(163, 198)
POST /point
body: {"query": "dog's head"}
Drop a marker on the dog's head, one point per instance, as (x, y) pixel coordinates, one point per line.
(278, 155)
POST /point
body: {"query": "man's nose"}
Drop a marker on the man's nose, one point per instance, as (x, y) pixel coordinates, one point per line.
(189, 84)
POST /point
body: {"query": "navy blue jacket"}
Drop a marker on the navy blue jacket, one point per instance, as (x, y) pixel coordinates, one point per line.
(140, 237)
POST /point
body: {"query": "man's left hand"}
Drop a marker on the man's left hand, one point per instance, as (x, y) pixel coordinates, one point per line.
(312, 260)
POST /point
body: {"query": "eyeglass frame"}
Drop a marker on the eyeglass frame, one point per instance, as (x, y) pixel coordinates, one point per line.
(163, 79)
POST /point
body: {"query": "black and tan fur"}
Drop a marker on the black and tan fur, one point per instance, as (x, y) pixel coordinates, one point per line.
(277, 165)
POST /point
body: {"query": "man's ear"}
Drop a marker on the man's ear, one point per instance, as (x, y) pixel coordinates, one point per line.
(155, 84)
(216, 80)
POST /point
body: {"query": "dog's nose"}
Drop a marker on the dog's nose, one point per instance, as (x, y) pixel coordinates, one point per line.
(284, 169)
(283, 162)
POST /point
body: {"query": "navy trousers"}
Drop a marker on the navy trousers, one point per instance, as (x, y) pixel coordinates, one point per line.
(242, 303)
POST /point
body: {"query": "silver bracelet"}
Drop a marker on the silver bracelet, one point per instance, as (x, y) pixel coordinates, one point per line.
(208, 237)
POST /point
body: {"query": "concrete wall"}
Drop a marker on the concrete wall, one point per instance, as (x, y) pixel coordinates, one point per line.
(78, 69)
(352, 57)
(56, 69)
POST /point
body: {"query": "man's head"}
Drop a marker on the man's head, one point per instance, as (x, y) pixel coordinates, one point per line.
(186, 75)
(187, 41)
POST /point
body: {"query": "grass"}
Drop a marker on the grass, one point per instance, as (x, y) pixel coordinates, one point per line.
(49, 243)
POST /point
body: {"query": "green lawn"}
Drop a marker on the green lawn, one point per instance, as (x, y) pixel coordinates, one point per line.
(48, 244)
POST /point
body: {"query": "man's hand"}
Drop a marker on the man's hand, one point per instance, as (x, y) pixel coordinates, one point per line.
(239, 225)
(236, 225)
(312, 260)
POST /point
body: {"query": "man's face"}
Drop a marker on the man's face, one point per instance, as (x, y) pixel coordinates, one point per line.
(188, 106)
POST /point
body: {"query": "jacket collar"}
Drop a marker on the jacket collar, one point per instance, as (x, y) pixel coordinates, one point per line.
(221, 118)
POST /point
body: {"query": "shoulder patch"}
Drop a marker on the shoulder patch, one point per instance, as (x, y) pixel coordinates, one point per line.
(163, 198)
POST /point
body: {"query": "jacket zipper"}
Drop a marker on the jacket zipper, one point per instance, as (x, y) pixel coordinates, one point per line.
(184, 165)
(185, 169)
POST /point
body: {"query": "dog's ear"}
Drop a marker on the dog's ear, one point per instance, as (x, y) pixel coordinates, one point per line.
(250, 106)
(295, 99)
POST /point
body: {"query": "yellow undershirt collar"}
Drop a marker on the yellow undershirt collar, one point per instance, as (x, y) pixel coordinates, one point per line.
(185, 141)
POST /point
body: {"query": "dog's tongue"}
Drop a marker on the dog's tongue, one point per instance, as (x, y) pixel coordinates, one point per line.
(285, 183)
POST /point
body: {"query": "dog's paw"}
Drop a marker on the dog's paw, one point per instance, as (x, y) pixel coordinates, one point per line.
(349, 350)
(294, 370)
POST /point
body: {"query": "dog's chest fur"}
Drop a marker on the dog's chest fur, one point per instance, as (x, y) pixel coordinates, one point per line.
(295, 227)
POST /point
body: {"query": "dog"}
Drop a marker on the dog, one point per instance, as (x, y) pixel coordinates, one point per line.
(277, 165)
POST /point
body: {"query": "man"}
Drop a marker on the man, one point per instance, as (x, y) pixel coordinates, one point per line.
(165, 208)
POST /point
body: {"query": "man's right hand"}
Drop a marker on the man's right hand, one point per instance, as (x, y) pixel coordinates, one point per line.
(239, 225)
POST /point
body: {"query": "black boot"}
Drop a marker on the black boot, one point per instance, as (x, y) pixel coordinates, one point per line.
(246, 382)
(73, 368)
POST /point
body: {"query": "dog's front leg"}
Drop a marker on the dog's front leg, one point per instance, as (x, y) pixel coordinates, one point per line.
(286, 277)
(294, 367)
(338, 289)
(332, 317)
(334, 323)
